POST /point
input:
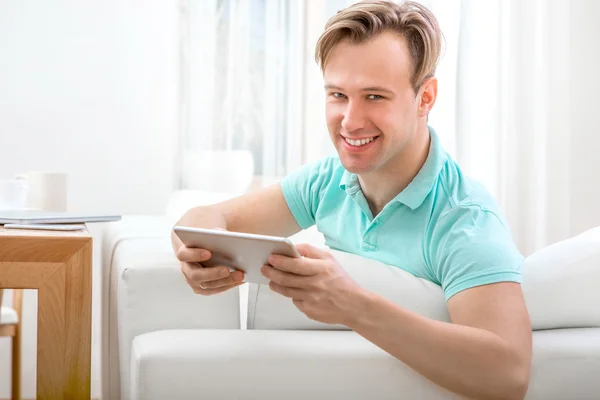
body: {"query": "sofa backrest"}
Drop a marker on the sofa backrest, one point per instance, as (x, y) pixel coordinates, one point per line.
(559, 283)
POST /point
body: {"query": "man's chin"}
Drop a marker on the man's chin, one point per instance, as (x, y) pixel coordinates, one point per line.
(357, 168)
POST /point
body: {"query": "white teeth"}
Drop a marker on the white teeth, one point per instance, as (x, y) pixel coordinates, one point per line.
(360, 142)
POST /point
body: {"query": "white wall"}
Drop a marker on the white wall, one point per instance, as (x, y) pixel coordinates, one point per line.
(88, 88)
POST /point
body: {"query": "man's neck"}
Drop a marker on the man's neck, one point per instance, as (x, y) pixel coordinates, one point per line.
(380, 187)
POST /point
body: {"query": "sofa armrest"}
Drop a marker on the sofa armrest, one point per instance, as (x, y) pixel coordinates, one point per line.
(146, 291)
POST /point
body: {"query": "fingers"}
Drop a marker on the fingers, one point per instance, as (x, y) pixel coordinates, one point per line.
(210, 280)
(284, 278)
(298, 266)
(309, 264)
(188, 254)
(233, 279)
(306, 250)
(299, 304)
(197, 273)
(293, 293)
(210, 292)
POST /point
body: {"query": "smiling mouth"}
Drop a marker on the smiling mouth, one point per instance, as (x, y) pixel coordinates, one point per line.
(359, 142)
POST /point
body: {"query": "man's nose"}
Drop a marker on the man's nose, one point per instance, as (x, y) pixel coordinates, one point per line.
(354, 117)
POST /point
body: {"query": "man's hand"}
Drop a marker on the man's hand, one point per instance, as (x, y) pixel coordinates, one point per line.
(316, 282)
(204, 280)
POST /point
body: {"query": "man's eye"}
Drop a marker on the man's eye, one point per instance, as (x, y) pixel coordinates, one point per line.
(338, 95)
(374, 97)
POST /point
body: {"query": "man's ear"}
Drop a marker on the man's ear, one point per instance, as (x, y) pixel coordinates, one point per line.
(427, 96)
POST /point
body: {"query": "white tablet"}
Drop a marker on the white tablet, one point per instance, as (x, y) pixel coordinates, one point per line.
(242, 251)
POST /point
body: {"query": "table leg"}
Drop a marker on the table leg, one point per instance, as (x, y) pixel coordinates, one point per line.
(64, 330)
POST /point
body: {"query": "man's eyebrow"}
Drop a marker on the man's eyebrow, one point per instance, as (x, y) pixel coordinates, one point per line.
(376, 89)
(367, 89)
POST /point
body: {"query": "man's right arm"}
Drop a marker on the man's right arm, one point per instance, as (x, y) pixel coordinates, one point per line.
(263, 212)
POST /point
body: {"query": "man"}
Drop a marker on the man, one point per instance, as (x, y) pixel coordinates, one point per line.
(391, 194)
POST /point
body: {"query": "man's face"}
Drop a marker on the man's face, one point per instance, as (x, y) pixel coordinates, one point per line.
(371, 107)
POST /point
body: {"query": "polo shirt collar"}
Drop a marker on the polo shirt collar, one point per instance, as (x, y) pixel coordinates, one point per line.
(418, 189)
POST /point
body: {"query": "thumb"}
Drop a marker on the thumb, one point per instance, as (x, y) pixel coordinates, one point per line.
(309, 251)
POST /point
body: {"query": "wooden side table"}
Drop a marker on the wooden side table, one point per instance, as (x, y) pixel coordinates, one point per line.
(59, 266)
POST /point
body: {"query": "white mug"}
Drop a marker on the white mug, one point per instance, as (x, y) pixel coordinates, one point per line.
(46, 190)
(13, 195)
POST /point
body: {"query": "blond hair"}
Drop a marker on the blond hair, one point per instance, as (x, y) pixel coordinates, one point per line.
(366, 19)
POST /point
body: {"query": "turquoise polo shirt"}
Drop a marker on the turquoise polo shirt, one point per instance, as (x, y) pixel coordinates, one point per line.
(443, 227)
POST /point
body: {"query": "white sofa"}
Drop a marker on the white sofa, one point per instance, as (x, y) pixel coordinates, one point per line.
(161, 341)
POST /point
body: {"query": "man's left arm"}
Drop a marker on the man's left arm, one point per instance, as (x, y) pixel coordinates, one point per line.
(483, 354)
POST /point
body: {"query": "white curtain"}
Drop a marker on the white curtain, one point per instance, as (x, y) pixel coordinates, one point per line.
(512, 111)
(250, 82)
(242, 86)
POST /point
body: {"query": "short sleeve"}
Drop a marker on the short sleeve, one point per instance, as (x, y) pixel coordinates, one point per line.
(303, 189)
(471, 246)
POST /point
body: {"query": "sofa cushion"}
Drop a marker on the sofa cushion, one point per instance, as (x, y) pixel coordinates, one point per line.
(221, 364)
(559, 284)
(565, 364)
(269, 310)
